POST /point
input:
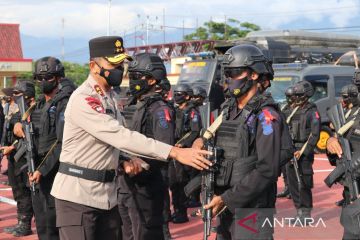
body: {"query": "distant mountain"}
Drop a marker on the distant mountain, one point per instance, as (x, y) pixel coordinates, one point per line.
(76, 49)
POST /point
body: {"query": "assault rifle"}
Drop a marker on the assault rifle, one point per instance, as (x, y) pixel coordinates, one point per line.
(207, 178)
(28, 141)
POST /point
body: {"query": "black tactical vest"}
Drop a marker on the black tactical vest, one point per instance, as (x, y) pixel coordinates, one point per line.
(299, 130)
(183, 121)
(236, 138)
(44, 120)
(142, 118)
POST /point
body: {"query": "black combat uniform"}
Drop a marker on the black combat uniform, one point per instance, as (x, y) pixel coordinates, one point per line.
(305, 127)
(17, 173)
(285, 111)
(48, 123)
(142, 197)
(353, 135)
(144, 201)
(255, 165)
(188, 127)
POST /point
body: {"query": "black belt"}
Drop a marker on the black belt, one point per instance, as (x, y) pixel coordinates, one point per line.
(87, 173)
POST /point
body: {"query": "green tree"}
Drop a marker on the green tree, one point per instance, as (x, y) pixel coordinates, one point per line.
(233, 29)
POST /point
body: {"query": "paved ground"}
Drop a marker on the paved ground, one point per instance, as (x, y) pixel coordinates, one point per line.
(324, 199)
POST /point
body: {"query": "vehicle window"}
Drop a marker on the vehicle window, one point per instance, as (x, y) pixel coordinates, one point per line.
(340, 82)
(319, 83)
(279, 85)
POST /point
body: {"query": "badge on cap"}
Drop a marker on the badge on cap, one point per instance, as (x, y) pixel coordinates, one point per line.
(118, 47)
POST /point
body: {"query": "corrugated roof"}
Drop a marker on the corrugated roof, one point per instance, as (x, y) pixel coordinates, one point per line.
(10, 44)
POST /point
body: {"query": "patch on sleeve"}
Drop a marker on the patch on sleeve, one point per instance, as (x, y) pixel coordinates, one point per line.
(266, 119)
(163, 123)
(317, 116)
(95, 104)
(194, 116)
(167, 115)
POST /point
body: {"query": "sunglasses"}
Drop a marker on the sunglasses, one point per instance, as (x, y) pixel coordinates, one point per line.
(233, 72)
(44, 77)
(138, 76)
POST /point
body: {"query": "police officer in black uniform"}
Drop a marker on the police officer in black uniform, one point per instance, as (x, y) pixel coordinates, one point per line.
(350, 101)
(48, 121)
(199, 96)
(305, 129)
(286, 110)
(17, 173)
(250, 136)
(335, 153)
(188, 126)
(144, 201)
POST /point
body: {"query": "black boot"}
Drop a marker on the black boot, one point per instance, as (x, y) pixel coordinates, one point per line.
(302, 217)
(284, 193)
(24, 228)
(166, 231)
(340, 203)
(295, 219)
(180, 217)
(11, 229)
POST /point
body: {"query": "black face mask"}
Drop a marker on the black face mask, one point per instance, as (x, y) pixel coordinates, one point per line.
(47, 87)
(112, 76)
(179, 98)
(239, 87)
(138, 87)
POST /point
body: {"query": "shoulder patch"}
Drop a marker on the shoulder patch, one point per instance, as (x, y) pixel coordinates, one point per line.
(167, 114)
(266, 118)
(194, 116)
(163, 123)
(317, 116)
(98, 90)
(95, 104)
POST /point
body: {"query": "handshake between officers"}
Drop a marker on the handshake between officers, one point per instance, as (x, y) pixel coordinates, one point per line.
(94, 140)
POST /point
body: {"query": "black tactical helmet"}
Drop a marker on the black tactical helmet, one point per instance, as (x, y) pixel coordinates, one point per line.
(182, 93)
(148, 64)
(303, 88)
(349, 94)
(164, 84)
(25, 87)
(48, 67)
(289, 92)
(199, 92)
(247, 56)
(183, 88)
(290, 95)
(356, 78)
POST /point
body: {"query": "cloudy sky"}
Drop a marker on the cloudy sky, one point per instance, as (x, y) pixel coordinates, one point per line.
(88, 18)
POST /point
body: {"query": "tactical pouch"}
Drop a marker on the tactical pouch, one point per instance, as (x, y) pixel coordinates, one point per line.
(241, 168)
(223, 176)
